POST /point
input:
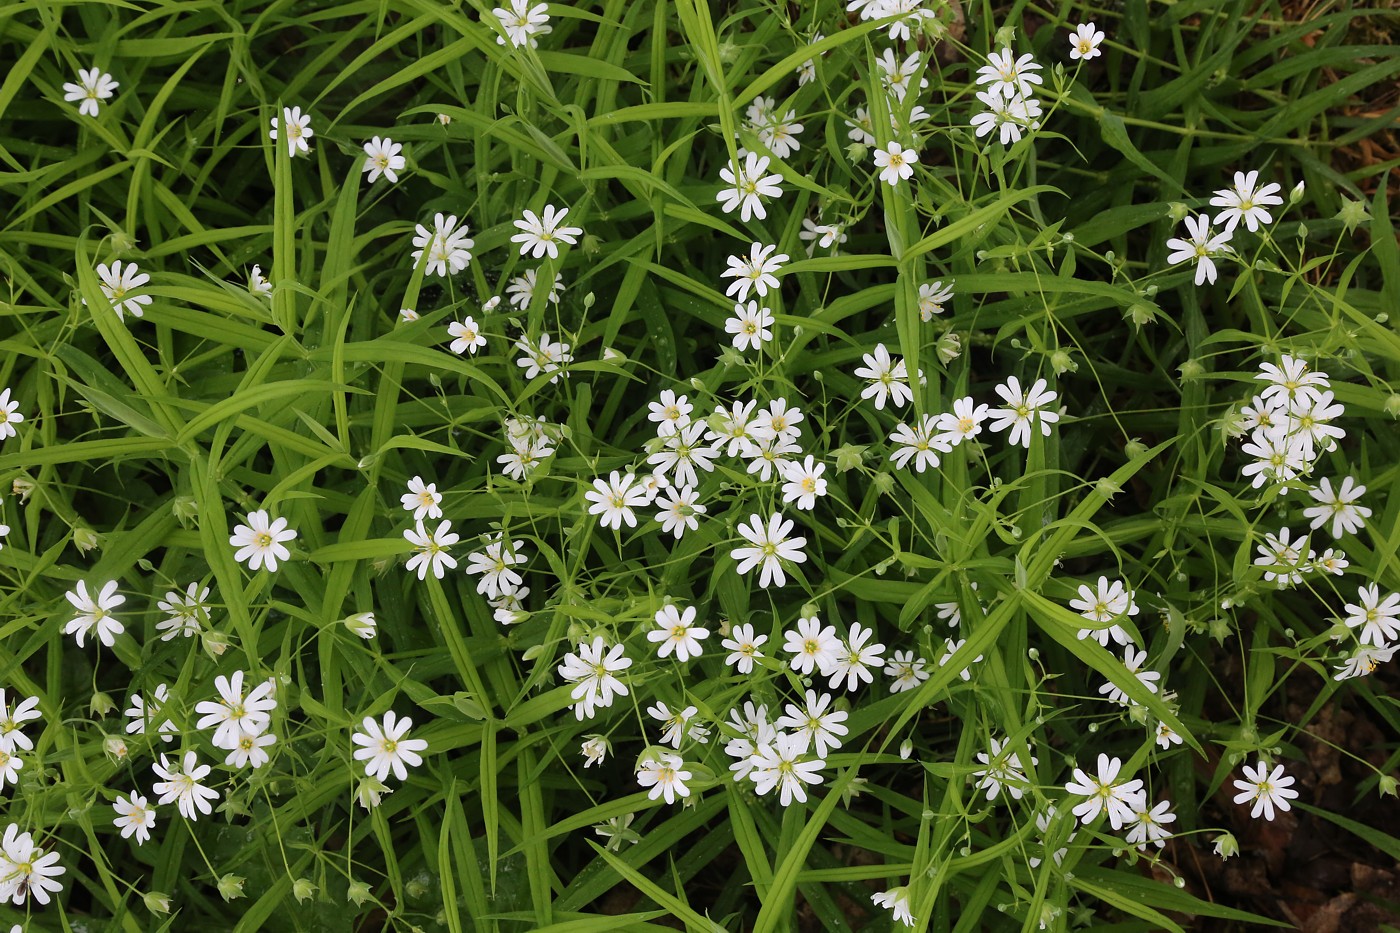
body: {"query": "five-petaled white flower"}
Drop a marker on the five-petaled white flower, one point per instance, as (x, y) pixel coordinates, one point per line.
(523, 22)
(468, 336)
(1105, 793)
(803, 482)
(134, 816)
(430, 549)
(855, 659)
(743, 646)
(1085, 42)
(1339, 506)
(665, 775)
(93, 87)
(1266, 790)
(1023, 409)
(1104, 603)
(9, 415)
(118, 283)
(592, 671)
(543, 233)
(895, 900)
(1246, 201)
(962, 423)
(895, 163)
(387, 748)
(259, 542)
(812, 646)
(748, 187)
(181, 785)
(614, 499)
(1009, 76)
(1379, 619)
(449, 248)
(750, 325)
(233, 714)
(26, 869)
(298, 129)
(816, 724)
(679, 505)
(779, 764)
(495, 563)
(422, 499)
(756, 272)
(258, 283)
(677, 632)
(1200, 247)
(382, 158)
(95, 613)
(889, 379)
(769, 545)
(1149, 824)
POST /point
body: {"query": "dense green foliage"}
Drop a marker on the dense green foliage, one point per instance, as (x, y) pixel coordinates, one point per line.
(147, 440)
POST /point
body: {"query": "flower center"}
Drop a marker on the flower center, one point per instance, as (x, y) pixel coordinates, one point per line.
(262, 540)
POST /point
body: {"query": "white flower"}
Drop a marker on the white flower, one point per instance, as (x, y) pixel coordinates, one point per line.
(233, 714)
(919, 443)
(181, 785)
(1340, 507)
(826, 236)
(1266, 790)
(259, 542)
(143, 714)
(1364, 662)
(906, 671)
(895, 163)
(1284, 558)
(682, 453)
(895, 900)
(676, 632)
(1003, 771)
(468, 336)
(422, 499)
(950, 648)
(754, 729)
(1246, 201)
(1104, 793)
(777, 764)
(257, 284)
(9, 767)
(756, 272)
(542, 234)
(1133, 659)
(249, 751)
(679, 505)
(1106, 602)
(521, 289)
(670, 414)
(1379, 619)
(448, 246)
(9, 417)
(298, 129)
(382, 158)
(118, 283)
(665, 776)
(591, 672)
(779, 134)
(362, 624)
(12, 721)
(548, 356)
(812, 646)
(803, 482)
(779, 420)
(594, 749)
(1009, 76)
(768, 547)
(26, 869)
(1085, 42)
(932, 297)
(614, 498)
(387, 748)
(430, 549)
(816, 725)
(895, 76)
(1010, 114)
(743, 646)
(495, 563)
(962, 423)
(1291, 380)
(733, 427)
(134, 816)
(748, 187)
(1199, 248)
(523, 22)
(889, 380)
(675, 724)
(750, 326)
(1024, 409)
(95, 613)
(854, 659)
(1149, 825)
(93, 87)
(1277, 457)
